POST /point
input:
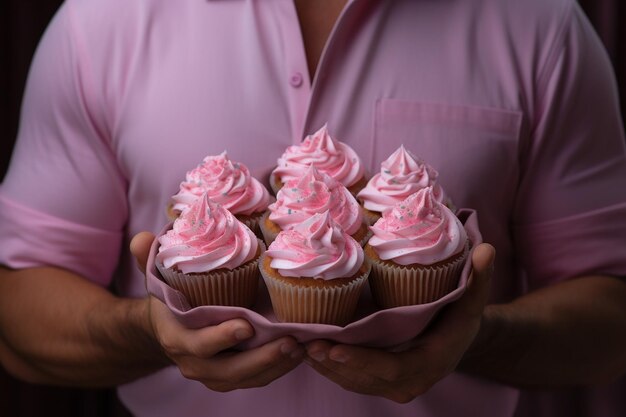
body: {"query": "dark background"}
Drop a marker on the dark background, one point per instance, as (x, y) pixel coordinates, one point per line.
(21, 24)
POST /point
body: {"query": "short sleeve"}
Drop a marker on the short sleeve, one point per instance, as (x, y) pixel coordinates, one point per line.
(570, 217)
(63, 200)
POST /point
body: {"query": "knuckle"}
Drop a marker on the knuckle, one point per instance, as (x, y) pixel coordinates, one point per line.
(188, 372)
(261, 384)
(363, 384)
(268, 354)
(271, 358)
(199, 351)
(392, 373)
(223, 381)
(358, 364)
(419, 389)
(404, 396)
(219, 387)
(363, 381)
(230, 377)
(171, 346)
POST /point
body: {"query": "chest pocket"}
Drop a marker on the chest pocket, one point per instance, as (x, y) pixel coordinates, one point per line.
(475, 149)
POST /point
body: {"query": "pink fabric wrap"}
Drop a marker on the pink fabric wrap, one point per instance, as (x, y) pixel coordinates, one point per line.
(512, 101)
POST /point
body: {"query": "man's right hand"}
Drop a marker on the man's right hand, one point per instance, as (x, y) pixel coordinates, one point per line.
(207, 354)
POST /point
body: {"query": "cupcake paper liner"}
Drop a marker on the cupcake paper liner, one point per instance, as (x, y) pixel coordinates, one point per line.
(398, 285)
(237, 287)
(253, 222)
(306, 304)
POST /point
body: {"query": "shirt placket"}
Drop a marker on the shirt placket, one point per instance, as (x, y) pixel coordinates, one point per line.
(302, 89)
(297, 77)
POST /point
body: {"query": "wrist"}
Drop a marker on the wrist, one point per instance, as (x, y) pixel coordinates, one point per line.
(126, 326)
(502, 345)
(141, 326)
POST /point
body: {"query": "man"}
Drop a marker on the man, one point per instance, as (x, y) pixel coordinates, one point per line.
(514, 104)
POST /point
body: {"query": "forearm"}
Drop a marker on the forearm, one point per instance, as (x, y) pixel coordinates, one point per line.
(572, 333)
(57, 328)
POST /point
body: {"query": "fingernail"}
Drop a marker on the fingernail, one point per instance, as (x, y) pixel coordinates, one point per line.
(287, 348)
(338, 357)
(293, 351)
(297, 354)
(317, 356)
(242, 334)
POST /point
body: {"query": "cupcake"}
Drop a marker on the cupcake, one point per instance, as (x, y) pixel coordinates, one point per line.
(329, 156)
(417, 251)
(401, 175)
(227, 183)
(210, 256)
(314, 272)
(313, 192)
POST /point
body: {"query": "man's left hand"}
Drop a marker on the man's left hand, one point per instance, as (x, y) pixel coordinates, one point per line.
(403, 376)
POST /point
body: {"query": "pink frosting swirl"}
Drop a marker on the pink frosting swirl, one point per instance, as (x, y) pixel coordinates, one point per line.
(329, 156)
(316, 248)
(315, 192)
(227, 182)
(206, 237)
(418, 230)
(401, 175)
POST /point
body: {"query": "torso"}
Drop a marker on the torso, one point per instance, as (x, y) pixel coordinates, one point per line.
(317, 19)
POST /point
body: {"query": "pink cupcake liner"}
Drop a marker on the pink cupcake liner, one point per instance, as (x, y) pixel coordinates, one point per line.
(236, 287)
(253, 222)
(398, 285)
(301, 304)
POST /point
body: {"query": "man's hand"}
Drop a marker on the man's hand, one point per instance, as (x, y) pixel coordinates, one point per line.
(403, 376)
(204, 354)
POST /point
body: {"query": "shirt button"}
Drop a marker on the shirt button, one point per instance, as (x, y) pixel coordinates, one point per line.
(296, 79)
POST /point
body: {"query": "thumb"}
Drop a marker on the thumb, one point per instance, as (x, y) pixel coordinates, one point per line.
(140, 248)
(477, 292)
(462, 317)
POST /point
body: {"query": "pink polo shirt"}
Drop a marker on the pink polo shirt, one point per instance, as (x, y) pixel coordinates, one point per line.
(513, 102)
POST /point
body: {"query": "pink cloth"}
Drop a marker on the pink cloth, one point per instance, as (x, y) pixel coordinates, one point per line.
(513, 102)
